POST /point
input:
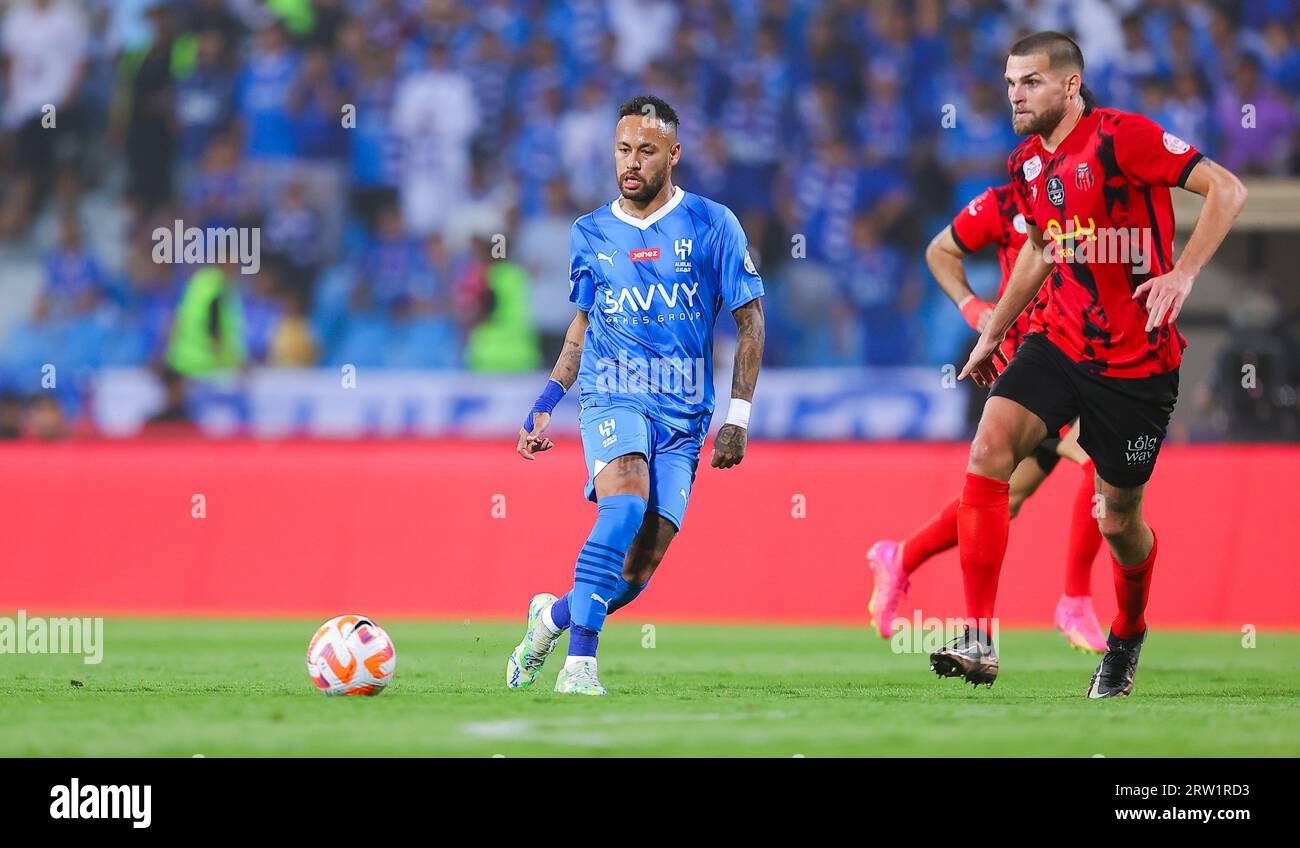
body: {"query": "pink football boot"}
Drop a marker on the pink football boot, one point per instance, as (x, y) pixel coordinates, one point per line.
(890, 585)
(1077, 620)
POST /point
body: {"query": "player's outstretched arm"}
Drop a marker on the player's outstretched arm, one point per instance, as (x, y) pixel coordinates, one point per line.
(1224, 198)
(531, 436)
(1025, 281)
(729, 446)
(945, 260)
(566, 367)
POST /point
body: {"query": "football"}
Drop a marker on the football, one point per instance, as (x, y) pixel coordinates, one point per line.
(351, 655)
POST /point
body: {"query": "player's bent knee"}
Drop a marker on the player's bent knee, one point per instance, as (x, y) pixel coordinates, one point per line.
(1121, 512)
(991, 456)
(1116, 524)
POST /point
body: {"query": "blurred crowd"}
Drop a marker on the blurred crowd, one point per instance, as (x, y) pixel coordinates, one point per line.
(414, 166)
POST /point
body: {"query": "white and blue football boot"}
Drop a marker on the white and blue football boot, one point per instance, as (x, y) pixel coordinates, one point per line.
(531, 653)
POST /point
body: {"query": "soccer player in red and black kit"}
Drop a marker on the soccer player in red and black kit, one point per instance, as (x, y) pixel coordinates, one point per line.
(994, 219)
(1103, 344)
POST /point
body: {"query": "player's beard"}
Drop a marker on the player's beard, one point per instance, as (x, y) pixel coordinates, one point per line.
(651, 184)
(1043, 123)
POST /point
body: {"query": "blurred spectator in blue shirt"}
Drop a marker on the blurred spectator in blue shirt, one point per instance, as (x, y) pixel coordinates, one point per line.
(875, 286)
(74, 281)
(263, 95)
(315, 105)
(1188, 113)
(389, 269)
(975, 150)
(1278, 55)
(204, 101)
(219, 195)
(1256, 126)
(884, 123)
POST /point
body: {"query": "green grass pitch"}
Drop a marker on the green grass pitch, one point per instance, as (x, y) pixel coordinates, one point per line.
(235, 687)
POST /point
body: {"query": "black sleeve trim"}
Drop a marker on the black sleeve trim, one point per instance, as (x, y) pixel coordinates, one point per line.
(964, 248)
(1187, 169)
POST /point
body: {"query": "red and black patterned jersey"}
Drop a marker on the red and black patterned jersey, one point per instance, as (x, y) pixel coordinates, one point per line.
(993, 218)
(1102, 202)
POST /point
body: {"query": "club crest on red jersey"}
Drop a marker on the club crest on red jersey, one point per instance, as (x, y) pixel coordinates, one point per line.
(1082, 176)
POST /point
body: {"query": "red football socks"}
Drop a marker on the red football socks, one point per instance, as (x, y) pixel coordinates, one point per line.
(1132, 585)
(983, 519)
(935, 536)
(1085, 538)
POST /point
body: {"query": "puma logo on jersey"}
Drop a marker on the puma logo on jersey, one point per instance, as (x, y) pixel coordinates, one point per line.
(604, 603)
(607, 257)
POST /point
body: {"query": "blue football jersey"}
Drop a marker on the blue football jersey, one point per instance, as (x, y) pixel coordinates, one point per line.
(653, 288)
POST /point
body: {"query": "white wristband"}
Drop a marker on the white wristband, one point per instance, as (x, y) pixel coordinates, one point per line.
(738, 413)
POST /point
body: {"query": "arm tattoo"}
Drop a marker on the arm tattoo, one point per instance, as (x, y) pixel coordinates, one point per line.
(750, 335)
(566, 367)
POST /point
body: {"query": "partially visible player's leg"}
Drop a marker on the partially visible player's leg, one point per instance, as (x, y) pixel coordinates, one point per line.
(1025, 480)
(622, 489)
(616, 444)
(1085, 538)
(1133, 552)
(1075, 616)
(1123, 427)
(892, 563)
(1007, 433)
(672, 475)
(1031, 398)
(1122, 526)
(643, 557)
(1133, 555)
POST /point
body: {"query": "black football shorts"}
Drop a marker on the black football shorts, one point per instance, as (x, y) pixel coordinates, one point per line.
(1122, 422)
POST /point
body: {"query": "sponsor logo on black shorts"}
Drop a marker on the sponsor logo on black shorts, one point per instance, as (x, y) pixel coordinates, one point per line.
(1142, 450)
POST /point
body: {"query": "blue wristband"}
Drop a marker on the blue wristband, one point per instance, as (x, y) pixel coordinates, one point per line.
(546, 401)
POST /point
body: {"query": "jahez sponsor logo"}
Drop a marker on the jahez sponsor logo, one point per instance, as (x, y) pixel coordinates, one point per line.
(644, 254)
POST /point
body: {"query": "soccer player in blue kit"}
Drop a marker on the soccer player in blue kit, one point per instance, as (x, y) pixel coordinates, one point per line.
(649, 273)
